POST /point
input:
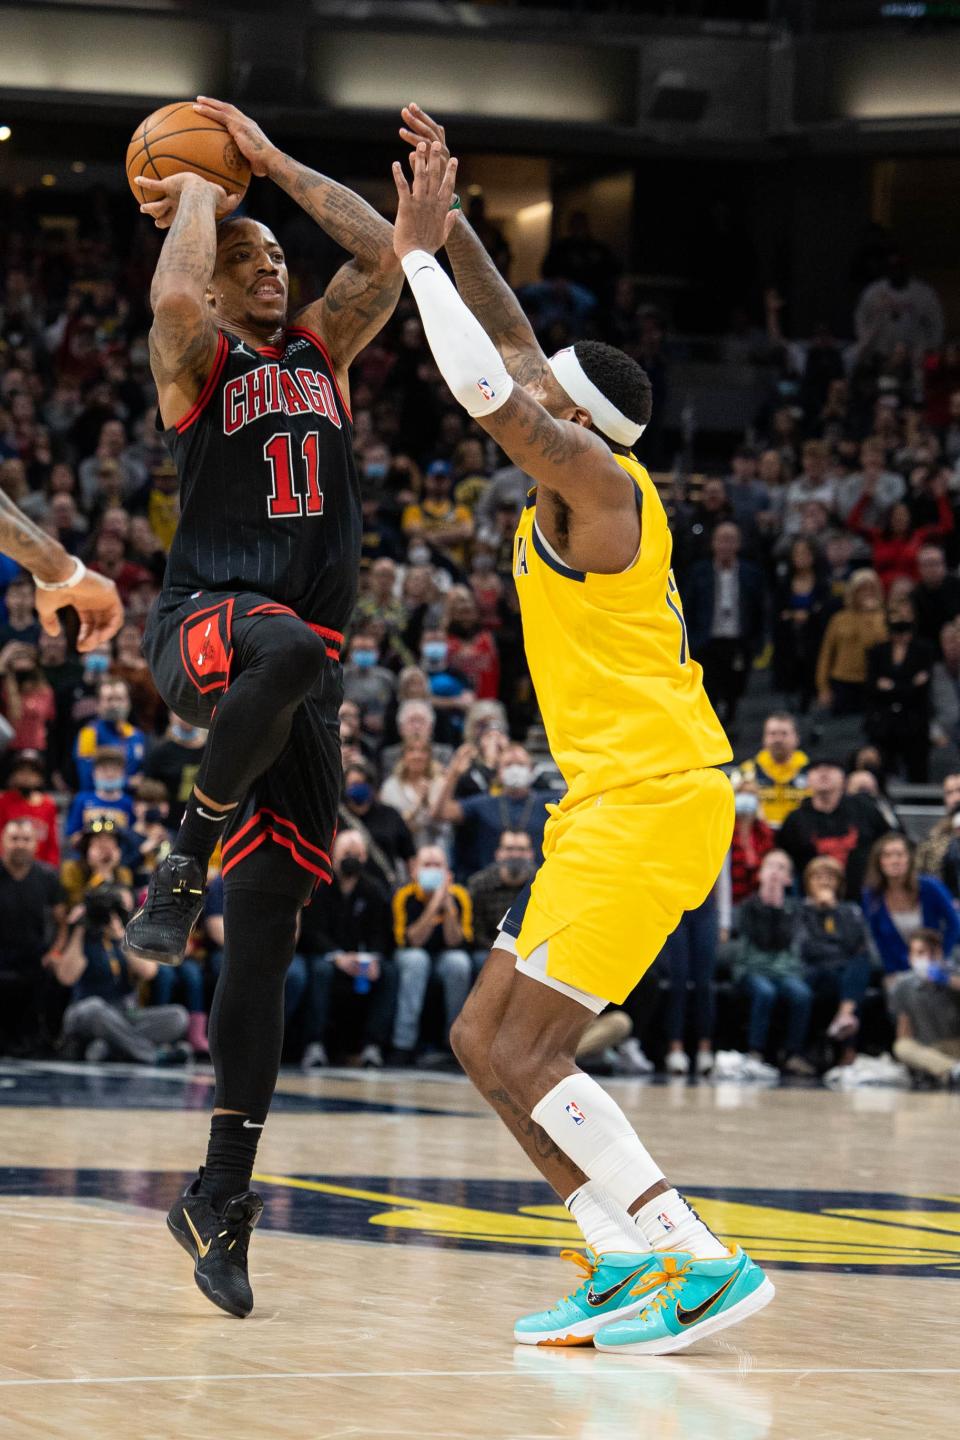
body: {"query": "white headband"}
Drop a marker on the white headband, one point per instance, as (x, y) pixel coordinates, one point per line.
(604, 414)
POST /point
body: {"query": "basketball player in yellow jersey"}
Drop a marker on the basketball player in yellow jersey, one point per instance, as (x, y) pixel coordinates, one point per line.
(643, 829)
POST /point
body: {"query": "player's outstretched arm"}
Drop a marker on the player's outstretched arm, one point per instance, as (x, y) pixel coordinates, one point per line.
(183, 337)
(479, 281)
(362, 295)
(94, 597)
(564, 456)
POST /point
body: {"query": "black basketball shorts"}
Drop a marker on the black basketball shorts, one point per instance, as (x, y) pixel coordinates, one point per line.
(280, 836)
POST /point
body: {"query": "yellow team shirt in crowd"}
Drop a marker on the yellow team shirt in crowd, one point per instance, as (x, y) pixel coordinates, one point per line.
(781, 787)
(621, 698)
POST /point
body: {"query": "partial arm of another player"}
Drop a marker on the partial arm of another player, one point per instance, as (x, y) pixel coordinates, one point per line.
(94, 597)
(362, 295)
(562, 455)
(480, 283)
(183, 338)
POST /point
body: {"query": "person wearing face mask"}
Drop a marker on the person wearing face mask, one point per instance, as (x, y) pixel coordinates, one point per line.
(433, 926)
(898, 695)
(174, 761)
(753, 838)
(450, 692)
(24, 799)
(368, 683)
(105, 799)
(389, 844)
(346, 938)
(495, 888)
(481, 819)
(111, 728)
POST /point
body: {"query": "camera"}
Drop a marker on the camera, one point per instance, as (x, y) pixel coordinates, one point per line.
(102, 904)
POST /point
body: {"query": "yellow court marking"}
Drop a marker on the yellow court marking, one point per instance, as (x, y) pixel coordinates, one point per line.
(771, 1233)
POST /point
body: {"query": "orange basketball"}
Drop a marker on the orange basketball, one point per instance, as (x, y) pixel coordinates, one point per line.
(175, 138)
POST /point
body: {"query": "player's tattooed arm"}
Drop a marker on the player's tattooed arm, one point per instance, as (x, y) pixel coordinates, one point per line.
(495, 305)
(93, 597)
(362, 295)
(184, 334)
(479, 281)
(30, 546)
(566, 457)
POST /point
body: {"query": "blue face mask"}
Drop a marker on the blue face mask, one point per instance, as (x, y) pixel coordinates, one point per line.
(111, 786)
(435, 652)
(360, 794)
(185, 733)
(364, 658)
(376, 469)
(97, 664)
(430, 877)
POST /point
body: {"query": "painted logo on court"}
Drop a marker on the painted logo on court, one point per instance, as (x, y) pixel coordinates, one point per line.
(864, 1232)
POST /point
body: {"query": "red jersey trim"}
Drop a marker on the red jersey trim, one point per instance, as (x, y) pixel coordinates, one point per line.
(267, 824)
(312, 335)
(334, 636)
(210, 384)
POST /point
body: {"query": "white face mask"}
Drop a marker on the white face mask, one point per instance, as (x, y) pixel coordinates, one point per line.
(516, 777)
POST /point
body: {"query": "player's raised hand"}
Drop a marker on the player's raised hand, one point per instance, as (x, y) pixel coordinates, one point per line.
(162, 197)
(246, 134)
(418, 125)
(424, 218)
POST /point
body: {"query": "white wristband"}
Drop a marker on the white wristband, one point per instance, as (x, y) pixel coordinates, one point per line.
(78, 573)
(466, 357)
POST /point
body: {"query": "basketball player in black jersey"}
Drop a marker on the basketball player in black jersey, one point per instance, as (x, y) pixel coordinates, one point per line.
(245, 637)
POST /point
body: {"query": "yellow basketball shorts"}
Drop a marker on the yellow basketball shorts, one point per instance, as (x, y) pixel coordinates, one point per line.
(619, 871)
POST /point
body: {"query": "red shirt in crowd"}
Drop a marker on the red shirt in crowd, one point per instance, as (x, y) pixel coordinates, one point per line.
(896, 555)
(477, 659)
(42, 810)
(750, 844)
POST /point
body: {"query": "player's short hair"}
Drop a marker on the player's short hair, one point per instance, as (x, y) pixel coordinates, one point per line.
(625, 383)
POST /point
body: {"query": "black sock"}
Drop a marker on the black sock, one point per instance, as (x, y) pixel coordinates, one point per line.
(200, 829)
(230, 1157)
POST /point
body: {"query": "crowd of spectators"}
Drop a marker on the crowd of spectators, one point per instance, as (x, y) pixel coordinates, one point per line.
(819, 561)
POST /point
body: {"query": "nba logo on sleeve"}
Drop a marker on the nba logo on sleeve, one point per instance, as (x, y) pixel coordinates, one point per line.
(575, 1113)
(486, 389)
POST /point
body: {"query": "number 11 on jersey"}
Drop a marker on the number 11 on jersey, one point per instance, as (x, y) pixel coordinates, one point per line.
(285, 499)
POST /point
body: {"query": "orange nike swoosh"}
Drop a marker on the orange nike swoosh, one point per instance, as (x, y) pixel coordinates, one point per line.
(201, 1247)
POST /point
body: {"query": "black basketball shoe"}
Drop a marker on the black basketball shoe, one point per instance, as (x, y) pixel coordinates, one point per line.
(160, 929)
(217, 1242)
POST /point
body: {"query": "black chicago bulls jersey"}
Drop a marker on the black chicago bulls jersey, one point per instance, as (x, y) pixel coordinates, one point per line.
(269, 495)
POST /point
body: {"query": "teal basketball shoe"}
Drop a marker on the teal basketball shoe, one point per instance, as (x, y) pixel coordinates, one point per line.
(612, 1286)
(696, 1298)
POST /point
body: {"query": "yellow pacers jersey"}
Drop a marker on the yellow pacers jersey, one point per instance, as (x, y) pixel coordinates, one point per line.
(620, 697)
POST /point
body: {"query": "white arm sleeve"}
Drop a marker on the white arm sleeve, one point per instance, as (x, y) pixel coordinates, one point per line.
(466, 356)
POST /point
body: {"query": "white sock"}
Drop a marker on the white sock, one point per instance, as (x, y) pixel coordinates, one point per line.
(589, 1126)
(668, 1223)
(604, 1224)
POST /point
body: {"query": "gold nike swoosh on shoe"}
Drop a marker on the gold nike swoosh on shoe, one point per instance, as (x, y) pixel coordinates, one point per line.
(202, 1248)
(689, 1317)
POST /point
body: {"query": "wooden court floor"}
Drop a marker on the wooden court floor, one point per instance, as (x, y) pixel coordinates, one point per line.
(402, 1235)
